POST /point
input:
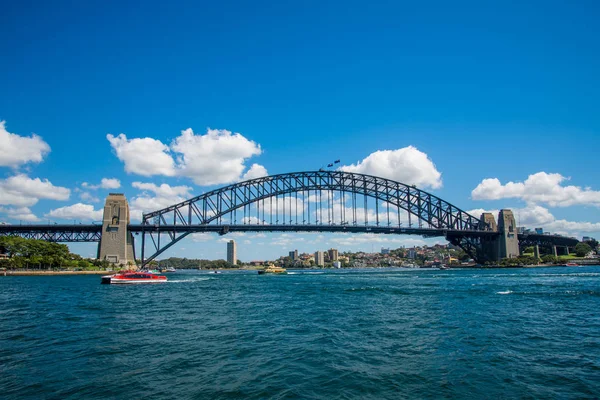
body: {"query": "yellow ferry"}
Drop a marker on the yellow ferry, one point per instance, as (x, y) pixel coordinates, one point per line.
(272, 269)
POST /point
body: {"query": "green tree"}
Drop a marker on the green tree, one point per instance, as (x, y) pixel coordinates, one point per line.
(582, 249)
(549, 258)
(593, 243)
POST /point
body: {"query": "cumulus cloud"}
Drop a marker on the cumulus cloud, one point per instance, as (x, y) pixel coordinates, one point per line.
(217, 157)
(143, 156)
(255, 171)
(105, 183)
(16, 150)
(86, 196)
(356, 240)
(76, 211)
(539, 188)
(19, 213)
(407, 165)
(214, 158)
(154, 197)
(20, 190)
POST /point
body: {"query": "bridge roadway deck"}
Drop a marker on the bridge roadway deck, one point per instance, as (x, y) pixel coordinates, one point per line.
(92, 233)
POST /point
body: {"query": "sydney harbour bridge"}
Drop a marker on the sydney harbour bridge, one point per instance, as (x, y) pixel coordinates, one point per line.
(315, 201)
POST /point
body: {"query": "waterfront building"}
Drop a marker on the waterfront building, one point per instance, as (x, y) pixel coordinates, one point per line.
(412, 254)
(319, 258)
(232, 252)
(333, 254)
(385, 251)
(294, 255)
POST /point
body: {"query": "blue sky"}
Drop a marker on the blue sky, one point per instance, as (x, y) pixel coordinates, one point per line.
(485, 91)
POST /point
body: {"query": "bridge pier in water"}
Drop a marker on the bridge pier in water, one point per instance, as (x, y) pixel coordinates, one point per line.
(116, 244)
(506, 244)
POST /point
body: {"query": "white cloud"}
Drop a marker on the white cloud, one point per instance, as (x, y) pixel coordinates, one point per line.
(407, 165)
(20, 190)
(162, 196)
(16, 150)
(145, 156)
(255, 171)
(202, 237)
(214, 158)
(218, 157)
(539, 188)
(164, 190)
(105, 183)
(76, 211)
(355, 240)
(20, 213)
(86, 196)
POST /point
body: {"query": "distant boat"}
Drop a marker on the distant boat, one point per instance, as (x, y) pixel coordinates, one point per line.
(170, 269)
(571, 264)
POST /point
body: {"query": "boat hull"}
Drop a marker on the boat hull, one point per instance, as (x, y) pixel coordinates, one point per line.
(124, 280)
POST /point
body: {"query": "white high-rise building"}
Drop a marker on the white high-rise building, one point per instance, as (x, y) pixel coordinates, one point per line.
(231, 252)
(319, 258)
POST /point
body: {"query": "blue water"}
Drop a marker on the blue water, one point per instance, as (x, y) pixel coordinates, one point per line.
(512, 333)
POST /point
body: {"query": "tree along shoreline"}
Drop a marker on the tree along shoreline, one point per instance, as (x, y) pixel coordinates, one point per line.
(39, 255)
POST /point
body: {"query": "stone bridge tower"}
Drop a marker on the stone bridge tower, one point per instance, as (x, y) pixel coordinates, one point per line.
(508, 240)
(116, 243)
(506, 244)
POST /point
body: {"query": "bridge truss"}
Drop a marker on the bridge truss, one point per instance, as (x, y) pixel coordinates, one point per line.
(331, 201)
(55, 232)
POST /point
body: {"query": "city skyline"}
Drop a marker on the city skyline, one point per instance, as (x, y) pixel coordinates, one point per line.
(483, 121)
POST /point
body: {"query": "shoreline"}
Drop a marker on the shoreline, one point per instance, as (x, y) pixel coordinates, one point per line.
(53, 273)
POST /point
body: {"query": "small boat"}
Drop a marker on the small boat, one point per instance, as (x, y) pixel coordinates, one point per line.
(133, 278)
(170, 269)
(272, 269)
(572, 264)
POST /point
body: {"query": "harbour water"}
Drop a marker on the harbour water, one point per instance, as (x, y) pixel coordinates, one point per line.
(502, 333)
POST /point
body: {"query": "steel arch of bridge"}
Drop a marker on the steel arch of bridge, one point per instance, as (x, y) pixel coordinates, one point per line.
(219, 209)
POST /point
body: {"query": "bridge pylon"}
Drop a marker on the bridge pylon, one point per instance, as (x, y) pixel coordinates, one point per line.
(116, 244)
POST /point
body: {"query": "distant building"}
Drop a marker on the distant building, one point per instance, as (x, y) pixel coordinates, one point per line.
(294, 255)
(337, 264)
(232, 252)
(587, 238)
(412, 254)
(333, 254)
(319, 258)
(385, 251)
(539, 231)
(520, 229)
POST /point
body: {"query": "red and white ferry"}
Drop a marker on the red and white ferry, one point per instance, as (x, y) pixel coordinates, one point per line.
(133, 277)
